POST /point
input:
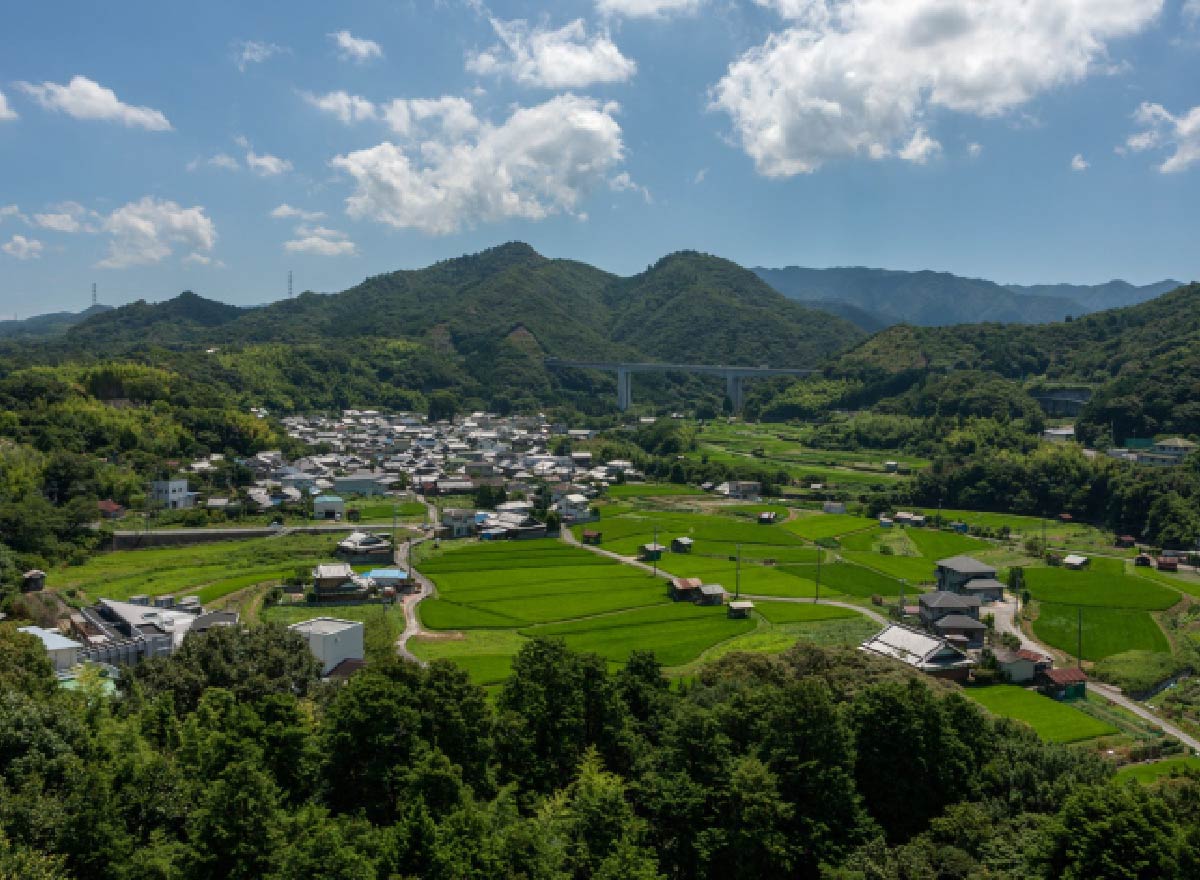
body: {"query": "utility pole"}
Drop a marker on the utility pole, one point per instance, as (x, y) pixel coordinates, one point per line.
(1079, 637)
(737, 574)
(817, 597)
(654, 551)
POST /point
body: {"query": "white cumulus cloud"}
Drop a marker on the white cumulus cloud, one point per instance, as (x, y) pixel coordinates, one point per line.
(647, 8)
(1078, 163)
(352, 48)
(148, 231)
(7, 211)
(320, 241)
(974, 150)
(65, 217)
(552, 59)
(920, 148)
(1164, 129)
(6, 113)
(83, 98)
(22, 248)
(287, 212)
(541, 160)
(346, 107)
(1191, 11)
(262, 164)
(247, 52)
(857, 78)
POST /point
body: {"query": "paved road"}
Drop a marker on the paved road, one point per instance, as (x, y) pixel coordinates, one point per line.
(1005, 615)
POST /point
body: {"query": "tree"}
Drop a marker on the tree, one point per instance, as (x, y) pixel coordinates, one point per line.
(25, 666)
(251, 663)
(443, 405)
(1172, 522)
(234, 828)
(1114, 831)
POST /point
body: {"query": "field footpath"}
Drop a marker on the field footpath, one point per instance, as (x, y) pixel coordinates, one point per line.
(568, 537)
(1004, 616)
(412, 624)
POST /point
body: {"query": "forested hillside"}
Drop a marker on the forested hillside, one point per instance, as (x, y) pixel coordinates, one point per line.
(231, 761)
(479, 326)
(1141, 364)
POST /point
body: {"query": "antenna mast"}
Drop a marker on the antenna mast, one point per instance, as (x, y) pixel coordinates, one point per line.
(94, 293)
(289, 283)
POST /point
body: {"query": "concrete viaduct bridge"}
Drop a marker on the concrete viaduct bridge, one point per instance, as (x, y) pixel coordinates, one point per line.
(734, 376)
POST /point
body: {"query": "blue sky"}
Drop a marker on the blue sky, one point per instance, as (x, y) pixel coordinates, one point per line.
(153, 147)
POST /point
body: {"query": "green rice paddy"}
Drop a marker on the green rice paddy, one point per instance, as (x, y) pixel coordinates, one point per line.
(1050, 719)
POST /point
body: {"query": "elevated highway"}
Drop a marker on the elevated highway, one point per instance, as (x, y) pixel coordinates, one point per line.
(734, 376)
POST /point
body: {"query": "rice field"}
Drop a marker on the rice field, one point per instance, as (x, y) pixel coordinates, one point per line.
(1050, 719)
(1152, 772)
(1106, 631)
(1104, 584)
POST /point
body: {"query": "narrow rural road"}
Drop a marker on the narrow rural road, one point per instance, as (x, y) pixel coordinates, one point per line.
(412, 625)
(1005, 617)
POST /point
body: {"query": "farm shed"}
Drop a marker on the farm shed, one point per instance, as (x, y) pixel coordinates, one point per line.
(711, 594)
(681, 545)
(1063, 684)
(684, 589)
(650, 552)
(592, 538)
(740, 609)
(1075, 561)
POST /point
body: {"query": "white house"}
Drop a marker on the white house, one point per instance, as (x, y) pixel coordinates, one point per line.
(172, 494)
(329, 507)
(332, 640)
(575, 508)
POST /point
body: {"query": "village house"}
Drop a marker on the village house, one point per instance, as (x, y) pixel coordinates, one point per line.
(1167, 453)
(1020, 667)
(110, 509)
(63, 652)
(934, 606)
(575, 508)
(968, 576)
(457, 522)
(172, 494)
(932, 655)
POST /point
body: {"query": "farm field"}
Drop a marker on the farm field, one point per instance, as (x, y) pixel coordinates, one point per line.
(651, 490)
(494, 596)
(1106, 631)
(378, 511)
(626, 529)
(828, 525)
(1103, 584)
(1051, 720)
(935, 545)
(1146, 773)
(676, 632)
(796, 612)
(914, 569)
(208, 570)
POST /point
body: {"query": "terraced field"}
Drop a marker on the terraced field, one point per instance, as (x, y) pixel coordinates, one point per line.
(1106, 631)
(1104, 584)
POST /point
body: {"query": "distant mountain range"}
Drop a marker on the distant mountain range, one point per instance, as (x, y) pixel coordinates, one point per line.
(54, 324)
(876, 298)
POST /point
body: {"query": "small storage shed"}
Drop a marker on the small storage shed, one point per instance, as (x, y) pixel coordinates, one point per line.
(592, 537)
(740, 608)
(711, 594)
(684, 589)
(681, 545)
(650, 552)
(1063, 684)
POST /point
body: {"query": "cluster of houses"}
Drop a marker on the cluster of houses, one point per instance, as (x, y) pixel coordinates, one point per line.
(364, 454)
(1169, 452)
(946, 638)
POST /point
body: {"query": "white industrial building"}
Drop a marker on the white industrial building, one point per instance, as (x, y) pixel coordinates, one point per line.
(332, 641)
(63, 652)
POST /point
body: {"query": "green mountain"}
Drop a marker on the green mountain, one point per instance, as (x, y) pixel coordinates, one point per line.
(479, 325)
(935, 299)
(1140, 363)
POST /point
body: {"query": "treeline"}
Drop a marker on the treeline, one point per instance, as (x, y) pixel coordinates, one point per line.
(230, 761)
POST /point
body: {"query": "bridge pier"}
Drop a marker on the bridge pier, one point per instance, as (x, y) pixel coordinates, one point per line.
(624, 388)
(734, 390)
